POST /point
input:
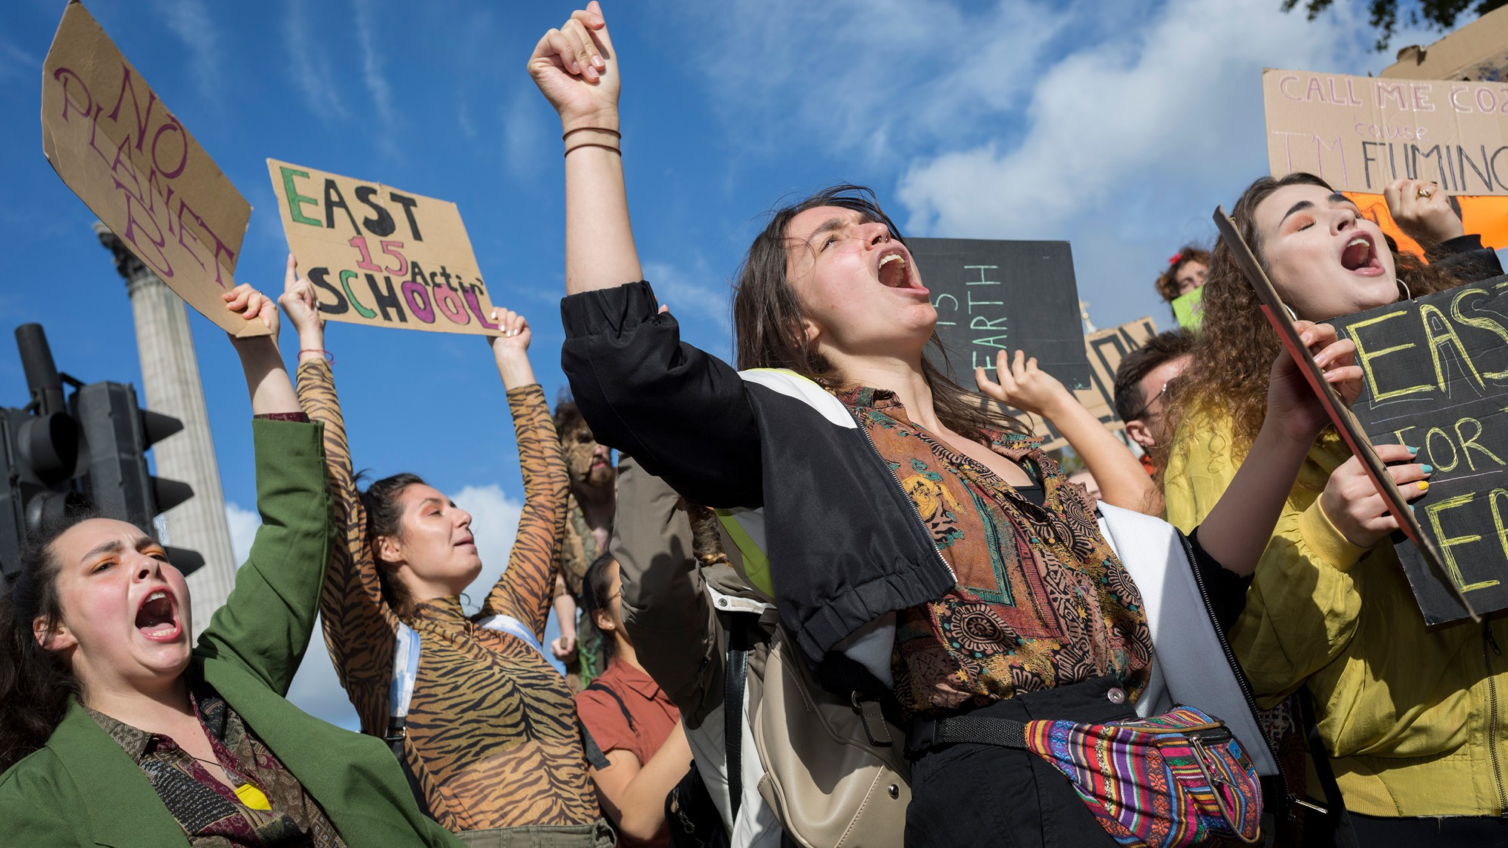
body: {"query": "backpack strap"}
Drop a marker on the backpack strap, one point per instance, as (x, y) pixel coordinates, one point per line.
(400, 694)
(513, 627)
(598, 686)
(734, 680)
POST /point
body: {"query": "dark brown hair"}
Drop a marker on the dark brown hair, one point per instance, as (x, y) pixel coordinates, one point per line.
(597, 594)
(567, 417)
(1236, 345)
(35, 683)
(1167, 281)
(385, 518)
(1130, 400)
(767, 316)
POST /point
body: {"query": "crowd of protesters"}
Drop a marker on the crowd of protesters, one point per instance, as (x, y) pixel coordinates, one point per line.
(821, 595)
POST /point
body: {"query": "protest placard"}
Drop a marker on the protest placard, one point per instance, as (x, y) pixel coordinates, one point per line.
(1361, 133)
(1105, 350)
(380, 256)
(1436, 573)
(1004, 295)
(116, 144)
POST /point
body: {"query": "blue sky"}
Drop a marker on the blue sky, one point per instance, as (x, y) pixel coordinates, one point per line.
(1117, 126)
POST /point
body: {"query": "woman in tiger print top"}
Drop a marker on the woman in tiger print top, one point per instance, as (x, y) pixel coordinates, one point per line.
(491, 732)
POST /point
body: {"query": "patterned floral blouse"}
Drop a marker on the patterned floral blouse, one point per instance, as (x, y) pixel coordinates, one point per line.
(211, 814)
(492, 732)
(1041, 600)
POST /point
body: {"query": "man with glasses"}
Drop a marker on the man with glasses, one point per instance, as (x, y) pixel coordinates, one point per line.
(1141, 389)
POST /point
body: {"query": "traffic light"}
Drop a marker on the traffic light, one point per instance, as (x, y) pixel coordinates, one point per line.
(117, 434)
(90, 450)
(41, 453)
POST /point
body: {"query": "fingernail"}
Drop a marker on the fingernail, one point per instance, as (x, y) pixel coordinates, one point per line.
(597, 60)
(1428, 469)
(1412, 451)
(1423, 485)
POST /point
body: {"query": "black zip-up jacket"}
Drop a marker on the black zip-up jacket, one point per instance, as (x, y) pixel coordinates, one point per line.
(850, 546)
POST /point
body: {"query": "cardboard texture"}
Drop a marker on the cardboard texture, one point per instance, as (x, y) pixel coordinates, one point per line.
(127, 156)
(1477, 51)
(1441, 597)
(1189, 309)
(1361, 133)
(380, 256)
(1105, 350)
(1004, 295)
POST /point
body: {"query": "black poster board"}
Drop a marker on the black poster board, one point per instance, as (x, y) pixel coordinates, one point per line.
(1004, 295)
(1435, 372)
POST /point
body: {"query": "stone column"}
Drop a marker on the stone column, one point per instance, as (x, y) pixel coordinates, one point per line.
(170, 372)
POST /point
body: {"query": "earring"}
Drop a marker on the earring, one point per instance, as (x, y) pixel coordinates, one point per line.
(1290, 312)
(1407, 295)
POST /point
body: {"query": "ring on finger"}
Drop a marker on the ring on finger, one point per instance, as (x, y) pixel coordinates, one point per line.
(1424, 194)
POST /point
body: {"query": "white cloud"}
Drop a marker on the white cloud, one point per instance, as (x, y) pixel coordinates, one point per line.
(309, 68)
(243, 529)
(525, 136)
(193, 24)
(686, 298)
(17, 64)
(371, 62)
(316, 689)
(494, 523)
(872, 76)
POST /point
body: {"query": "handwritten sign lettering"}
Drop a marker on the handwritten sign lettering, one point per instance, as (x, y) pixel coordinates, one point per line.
(1361, 133)
(1003, 295)
(115, 143)
(380, 256)
(1436, 378)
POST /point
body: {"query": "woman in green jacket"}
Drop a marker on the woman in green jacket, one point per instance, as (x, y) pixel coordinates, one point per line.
(115, 731)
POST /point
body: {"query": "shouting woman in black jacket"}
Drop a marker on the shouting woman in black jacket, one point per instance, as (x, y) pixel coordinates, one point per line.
(912, 538)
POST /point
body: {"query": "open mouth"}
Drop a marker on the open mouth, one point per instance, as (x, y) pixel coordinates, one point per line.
(894, 271)
(1360, 255)
(157, 618)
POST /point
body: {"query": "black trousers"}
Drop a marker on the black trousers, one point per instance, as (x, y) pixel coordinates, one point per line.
(1463, 831)
(969, 794)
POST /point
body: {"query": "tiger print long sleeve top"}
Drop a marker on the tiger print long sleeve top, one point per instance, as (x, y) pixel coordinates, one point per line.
(492, 732)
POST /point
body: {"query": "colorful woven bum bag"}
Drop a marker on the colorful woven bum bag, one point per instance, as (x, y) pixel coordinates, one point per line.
(1176, 779)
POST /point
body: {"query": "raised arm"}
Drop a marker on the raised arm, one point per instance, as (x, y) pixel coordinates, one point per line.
(1123, 481)
(359, 626)
(576, 69)
(528, 584)
(265, 623)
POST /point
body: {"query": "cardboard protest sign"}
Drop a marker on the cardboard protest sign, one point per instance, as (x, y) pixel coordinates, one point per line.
(1482, 216)
(1004, 295)
(1105, 349)
(1476, 51)
(1361, 133)
(1441, 595)
(115, 143)
(379, 256)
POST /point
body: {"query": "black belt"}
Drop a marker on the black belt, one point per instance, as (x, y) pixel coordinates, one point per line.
(927, 733)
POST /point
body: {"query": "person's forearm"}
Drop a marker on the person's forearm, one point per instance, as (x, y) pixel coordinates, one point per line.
(1237, 530)
(1122, 480)
(600, 250)
(565, 613)
(643, 807)
(513, 366)
(266, 377)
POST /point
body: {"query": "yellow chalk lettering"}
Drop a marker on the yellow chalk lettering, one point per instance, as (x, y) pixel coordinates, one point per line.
(1446, 334)
(1364, 357)
(1481, 323)
(1449, 542)
(1468, 444)
(1398, 434)
(1434, 458)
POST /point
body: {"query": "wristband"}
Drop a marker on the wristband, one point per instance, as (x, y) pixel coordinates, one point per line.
(613, 133)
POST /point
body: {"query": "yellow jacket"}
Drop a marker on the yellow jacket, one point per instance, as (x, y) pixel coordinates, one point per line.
(1416, 718)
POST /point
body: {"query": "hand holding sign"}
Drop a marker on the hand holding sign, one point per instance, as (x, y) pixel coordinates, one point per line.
(1289, 398)
(1423, 211)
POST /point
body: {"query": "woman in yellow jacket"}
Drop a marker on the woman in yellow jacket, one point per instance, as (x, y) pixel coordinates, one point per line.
(1412, 716)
